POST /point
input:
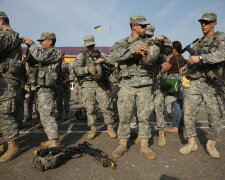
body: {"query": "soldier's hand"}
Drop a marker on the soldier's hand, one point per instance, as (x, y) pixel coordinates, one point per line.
(142, 50)
(193, 60)
(100, 60)
(182, 70)
(159, 38)
(27, 41)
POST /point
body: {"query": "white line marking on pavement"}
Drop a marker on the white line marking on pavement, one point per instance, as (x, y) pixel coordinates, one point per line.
(27, 131)
(70, 127)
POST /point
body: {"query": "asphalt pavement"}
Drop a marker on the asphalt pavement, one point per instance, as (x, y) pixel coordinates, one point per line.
(169, 164)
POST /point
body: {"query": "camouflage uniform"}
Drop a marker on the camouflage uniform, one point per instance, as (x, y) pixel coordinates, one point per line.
(203, 88)
(135, 85)
(10, 75)
(48, 73)
(77, 90)
(31, 93)
(93, 89)
(114, 79)
(63, 90)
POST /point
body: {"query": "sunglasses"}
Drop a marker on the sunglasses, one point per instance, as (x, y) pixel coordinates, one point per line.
(142, 26)
(205, 22)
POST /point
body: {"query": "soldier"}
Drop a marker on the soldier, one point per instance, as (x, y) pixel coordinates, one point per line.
(10, 75)
(158, 96)
(49, 60)
(63, 92)
(31, 71)
(210, 52)
(135, 58)
(114, 80)
(77, 90)
(87, 66)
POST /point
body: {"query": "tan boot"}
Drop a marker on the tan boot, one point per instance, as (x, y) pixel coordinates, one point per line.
(189, 147)
(51, 143)
(210, 147)
(162, 139)
(12, 151)
(66, 116)
(173, 130)
(137, 141)
(3, 147)
(59, 116)
(118, 152)
(92, 133)
(146, 151)
(111, 132)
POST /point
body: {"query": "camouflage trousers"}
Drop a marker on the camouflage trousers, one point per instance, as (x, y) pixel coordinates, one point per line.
(8, 125)
(198, 92)
(115, 90)
(77, 91)
(63, 98)
(31, 100)
(143, 98)
(45, 101)
(92, 96)
(158, 107)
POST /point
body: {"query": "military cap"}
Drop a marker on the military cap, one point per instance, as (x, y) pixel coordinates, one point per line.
(138, 19)
(47, 35)
(3, 15)
(208, 16)
(89, 40)
(150, 29)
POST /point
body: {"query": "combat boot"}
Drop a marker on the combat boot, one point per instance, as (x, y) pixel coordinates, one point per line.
(51, 143)
(111, 132)
(162, 139)
(28, 118)
(210, 147)
(92, 133)
(3, 147)
(189, 147)
(59, 116)
(122, 148)
(12, 151)
(137, 141)
(146, 151)
(66, 116)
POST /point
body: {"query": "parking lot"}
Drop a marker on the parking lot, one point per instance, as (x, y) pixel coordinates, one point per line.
(132, 165)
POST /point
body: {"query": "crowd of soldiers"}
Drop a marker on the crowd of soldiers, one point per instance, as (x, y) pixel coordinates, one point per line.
(130, 72)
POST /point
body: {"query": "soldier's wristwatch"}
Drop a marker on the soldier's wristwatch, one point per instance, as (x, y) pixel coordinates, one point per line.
(200, 58)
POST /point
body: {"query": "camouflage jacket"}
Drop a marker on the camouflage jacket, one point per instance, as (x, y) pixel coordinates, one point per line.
(87, 70)
(10, 55)
(134, 70)
(212, 52)
(49, 67)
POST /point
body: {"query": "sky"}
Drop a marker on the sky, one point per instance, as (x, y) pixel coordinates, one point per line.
(71, 20)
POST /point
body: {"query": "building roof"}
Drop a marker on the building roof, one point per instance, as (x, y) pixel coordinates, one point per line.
(73, 51)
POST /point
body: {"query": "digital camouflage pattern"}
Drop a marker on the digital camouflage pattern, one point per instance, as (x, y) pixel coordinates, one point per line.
(159, 101)
(135, 85)
(45, 95)
(212, 51)
(93, 90)
(10, 51)
(63, 90)
(45, 102)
